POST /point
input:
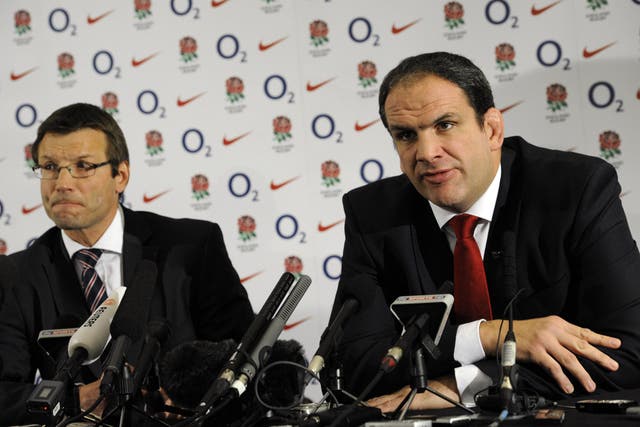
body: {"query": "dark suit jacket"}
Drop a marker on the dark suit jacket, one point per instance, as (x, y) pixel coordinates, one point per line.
(197, 290)
(558, 232)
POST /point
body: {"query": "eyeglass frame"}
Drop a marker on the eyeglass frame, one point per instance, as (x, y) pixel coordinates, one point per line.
(37, 170)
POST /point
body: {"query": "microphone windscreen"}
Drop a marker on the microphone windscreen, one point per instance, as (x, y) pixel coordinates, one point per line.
(282, 385)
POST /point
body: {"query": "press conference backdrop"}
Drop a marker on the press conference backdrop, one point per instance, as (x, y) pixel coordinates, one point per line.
(260, 114)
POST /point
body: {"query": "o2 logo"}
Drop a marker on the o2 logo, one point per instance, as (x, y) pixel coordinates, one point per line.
(371, 170)
(103, 64)
(228, 47)
(193, 142)
(287, 228)
(323, 126)
(361, 31)
(498, 12)
(60, 22)
(148, 103)
(332, 267)
(602, 95)
(26, 115)
(239, 186)
(184, 8)
(549, 54)
(275, 88)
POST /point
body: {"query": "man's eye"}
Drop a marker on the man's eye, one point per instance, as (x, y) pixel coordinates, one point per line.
(50, 167)
(404, 136)
(445, 125)
(83, 165)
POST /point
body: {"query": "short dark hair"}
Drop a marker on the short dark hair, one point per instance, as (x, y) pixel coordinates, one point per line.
(78, 116)
(455, 68)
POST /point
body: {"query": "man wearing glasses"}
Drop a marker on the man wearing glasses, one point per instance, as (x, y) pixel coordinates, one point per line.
(83, 165)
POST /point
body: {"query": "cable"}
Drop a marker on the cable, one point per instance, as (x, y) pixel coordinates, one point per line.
(83, 413)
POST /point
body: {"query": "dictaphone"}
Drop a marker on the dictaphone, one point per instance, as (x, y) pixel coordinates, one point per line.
(438, 306)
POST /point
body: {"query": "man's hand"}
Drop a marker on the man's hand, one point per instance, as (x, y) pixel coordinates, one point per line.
(88, 394)
(426, 400)
(554, 343)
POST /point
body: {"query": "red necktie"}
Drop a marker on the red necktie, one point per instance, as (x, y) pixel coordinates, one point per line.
(470, 282)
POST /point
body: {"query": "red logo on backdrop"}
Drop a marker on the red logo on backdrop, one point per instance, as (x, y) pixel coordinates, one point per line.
(142, 8)
(505, 55)
(28, 156)
(367, 73)
(235, 89)
(293, 264)
(330, 173)
(22, 20)
(246, 228)
(199, 186)
(154, 142)
(3, 247)
(318, 31)
(110, 102)
(609, 144)
(453, 14)
(188, 48)
(281, 128)
(556, 97)
(65, 65)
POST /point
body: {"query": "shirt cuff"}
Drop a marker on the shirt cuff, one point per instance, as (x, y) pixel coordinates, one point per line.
(470, 380)
(468, 347)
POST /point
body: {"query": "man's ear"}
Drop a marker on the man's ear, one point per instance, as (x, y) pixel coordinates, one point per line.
(122, 176)
(494, 127)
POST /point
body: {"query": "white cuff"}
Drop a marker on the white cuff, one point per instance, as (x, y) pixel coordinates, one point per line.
(468, 347)
(470, 380)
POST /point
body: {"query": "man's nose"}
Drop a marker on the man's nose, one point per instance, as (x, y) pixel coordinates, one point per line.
(428, 147)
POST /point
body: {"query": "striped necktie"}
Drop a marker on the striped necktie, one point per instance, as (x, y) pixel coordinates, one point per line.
(93, 288)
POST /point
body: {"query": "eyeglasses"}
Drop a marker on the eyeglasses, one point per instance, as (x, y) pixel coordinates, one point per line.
(79, 170)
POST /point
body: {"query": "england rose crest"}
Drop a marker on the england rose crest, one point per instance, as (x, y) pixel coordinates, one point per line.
(22, 20)
(142, 8)
(556, 97)
(505, 55)
(28, 156)
(235, 89)
(110, 102)
(246, 228)
(65, 65)
(154, 142)
(330, 173)
(199, 186)
(188, 48)
(293, 265)
(453, 14)
(3, 247)
(367, 74)
(281, 128)
(318, 31)
(597, 4)
(609, 144)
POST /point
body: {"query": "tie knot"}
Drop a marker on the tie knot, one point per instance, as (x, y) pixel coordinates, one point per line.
(87, 257)
(463, 225)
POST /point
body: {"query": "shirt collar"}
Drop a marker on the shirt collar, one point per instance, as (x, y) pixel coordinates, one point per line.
(110, 241)
(483, 208)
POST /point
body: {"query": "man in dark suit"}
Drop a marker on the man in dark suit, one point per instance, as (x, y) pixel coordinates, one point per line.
(82, 160)
(551, 226)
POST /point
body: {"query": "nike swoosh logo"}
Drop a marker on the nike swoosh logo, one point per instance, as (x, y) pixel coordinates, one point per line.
(27, 211)
(589, 53)
(275, 186)
(264, 47)
(323, 228)
(294, 324)
(537, 11)
(311, 88)
(230, 141)
(149, 199)
(509, 107)
(360, 128)
(249, 277)
(138, 62)
(398, 30)
(182, 103)
(215, 3)
(18, 76)
(92, 21)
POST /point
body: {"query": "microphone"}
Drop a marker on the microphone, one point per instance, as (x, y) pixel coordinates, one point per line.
(228, 372)
(262, 350)
(158, 332)
(509, 368)
(330, 335)
(412, 332)
(126, 325)
(85, 346)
